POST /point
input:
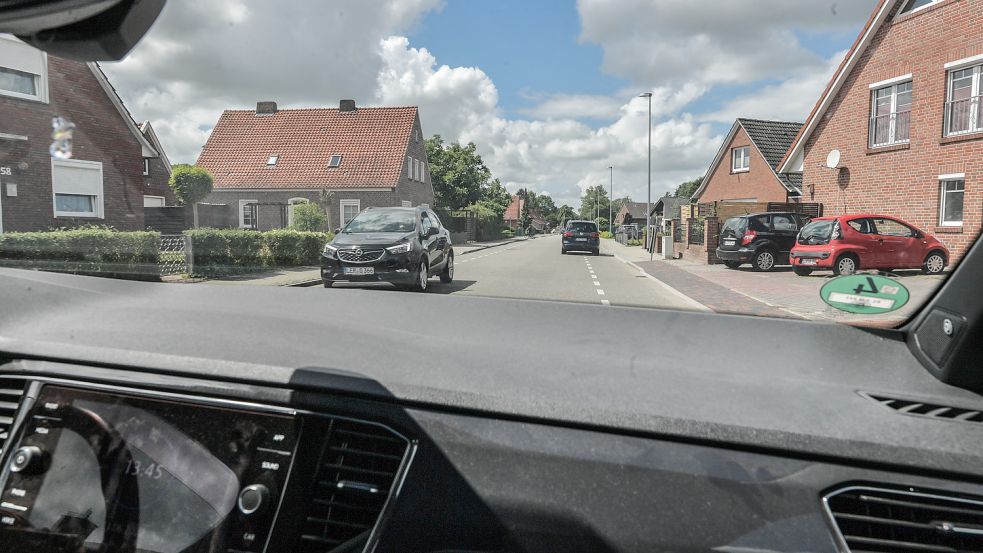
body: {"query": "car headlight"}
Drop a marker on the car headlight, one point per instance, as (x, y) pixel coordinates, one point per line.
(400, 248)
(329, 250)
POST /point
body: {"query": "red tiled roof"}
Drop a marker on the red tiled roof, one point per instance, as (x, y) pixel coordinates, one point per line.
(371, 141)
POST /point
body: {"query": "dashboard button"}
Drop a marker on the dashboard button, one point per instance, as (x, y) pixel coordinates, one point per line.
(27, 460)
(254, 499)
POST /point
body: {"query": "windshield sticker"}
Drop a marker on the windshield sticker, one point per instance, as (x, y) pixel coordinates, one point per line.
(865, 294)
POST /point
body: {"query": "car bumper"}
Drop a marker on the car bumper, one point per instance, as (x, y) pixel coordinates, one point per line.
(811, 259)
(743, 255)
(397, 269)
(588, 246)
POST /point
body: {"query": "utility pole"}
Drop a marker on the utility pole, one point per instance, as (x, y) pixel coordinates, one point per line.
(648, 201)
(611, 200)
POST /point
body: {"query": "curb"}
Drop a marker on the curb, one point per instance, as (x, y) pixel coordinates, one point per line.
(696, 305)
(495, 245)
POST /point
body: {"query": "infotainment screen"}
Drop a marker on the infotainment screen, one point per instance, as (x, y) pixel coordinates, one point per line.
(146, 475)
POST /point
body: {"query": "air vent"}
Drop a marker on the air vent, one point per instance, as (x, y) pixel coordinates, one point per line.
(11, 391)
(872, 520)
(356, 475)
(927, 409)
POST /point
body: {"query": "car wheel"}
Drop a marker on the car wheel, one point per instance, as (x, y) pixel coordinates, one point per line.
(732, 264)
(563, 252)
(764, 261)
(846, 265)
(597, 252)
(447, 275)
(934, 264)
(422, 278)
(327, 283)
(802, 271)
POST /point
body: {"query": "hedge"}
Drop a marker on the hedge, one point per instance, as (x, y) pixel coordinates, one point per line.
(222, 252)
(606, 235)
(99, 251)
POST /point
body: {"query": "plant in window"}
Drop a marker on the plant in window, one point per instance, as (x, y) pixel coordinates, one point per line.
(191, 185)
(308, 216)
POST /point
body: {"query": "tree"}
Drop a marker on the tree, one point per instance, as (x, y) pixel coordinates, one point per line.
(457, 172)
(563, 214)
(594, 202)
(688, 188)
(528, 203)
(546, 207)
(495, 196)
(191, 184)
(308, 216)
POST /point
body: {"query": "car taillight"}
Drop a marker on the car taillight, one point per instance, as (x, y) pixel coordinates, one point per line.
(567, 234)
(749, 237)
(594, 235)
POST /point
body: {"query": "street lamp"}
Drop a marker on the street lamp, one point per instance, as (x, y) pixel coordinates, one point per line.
(648, 201)
(611, 200)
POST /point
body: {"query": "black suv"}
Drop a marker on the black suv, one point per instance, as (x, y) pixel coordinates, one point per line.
(399, 245)
(763, 239)
(581, 236)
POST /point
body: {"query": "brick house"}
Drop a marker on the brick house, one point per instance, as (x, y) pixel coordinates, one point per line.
(745, 167)
(156, 173)
(267, 160)
(102, 183)
(513, 214)
(631, 213)
(903, 110)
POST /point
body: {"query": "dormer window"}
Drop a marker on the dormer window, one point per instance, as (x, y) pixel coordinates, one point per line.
(271, 161)
(335, 161)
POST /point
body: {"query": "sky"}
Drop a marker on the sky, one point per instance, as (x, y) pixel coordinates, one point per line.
(546, 89)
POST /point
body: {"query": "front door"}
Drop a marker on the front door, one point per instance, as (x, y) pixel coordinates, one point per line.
(898, 245)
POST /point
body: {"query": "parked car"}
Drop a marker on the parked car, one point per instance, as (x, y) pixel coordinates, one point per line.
(848, 243)
(581, 236)
(399, 245)
(762, 239)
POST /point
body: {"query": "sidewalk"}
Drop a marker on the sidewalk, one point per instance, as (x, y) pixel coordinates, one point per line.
(780, 293)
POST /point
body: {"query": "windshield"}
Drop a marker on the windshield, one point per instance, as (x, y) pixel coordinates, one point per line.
(658, 154)
(382, 221)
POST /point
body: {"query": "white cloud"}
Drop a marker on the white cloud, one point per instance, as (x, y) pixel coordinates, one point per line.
(790, 100)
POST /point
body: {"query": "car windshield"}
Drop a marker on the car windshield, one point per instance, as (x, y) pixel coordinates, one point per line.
(678, 147)
(382, 221)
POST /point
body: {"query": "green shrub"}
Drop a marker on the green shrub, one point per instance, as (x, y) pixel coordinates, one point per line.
(308, 217)
(221, 252)
(99, 251)
(607, 235)
(508, 233)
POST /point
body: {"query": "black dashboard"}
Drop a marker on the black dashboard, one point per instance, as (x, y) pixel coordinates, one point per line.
(173, 433)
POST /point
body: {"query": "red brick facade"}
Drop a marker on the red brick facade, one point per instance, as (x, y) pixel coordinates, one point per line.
(101, 135)
(903, 180)
(757, 184)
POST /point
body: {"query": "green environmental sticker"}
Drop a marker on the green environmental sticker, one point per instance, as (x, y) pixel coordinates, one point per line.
(865, 294)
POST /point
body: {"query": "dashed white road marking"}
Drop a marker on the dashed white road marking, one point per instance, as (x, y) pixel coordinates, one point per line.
(605, 302)
(596, 283)
(600, 292)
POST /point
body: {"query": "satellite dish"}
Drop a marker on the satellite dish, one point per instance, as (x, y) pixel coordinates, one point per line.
(833, 159)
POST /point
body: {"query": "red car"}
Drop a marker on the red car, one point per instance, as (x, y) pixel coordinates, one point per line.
(848, 243)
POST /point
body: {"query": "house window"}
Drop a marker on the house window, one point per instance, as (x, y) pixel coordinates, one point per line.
(915, 5)
(409, 167)
(248, 214)
(962, 111)
(153, 201)
(890, 114)
(335, 161)
(741, 159)
(146, 166)
(951, 203)
(271, 161)
(291, 203)
(23, 70)
(407, 203)
(349, 209)
(77, 188)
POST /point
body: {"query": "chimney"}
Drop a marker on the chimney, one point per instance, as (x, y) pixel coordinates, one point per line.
(265, 108)
(346, 106)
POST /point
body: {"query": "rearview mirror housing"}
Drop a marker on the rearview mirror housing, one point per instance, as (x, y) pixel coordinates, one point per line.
(433, 231)
(83, 30)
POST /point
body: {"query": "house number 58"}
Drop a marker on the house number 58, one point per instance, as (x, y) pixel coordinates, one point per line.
(5, 171)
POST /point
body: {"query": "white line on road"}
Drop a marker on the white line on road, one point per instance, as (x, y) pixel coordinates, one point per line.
(600, 292)
(605, 302)
(596, 283)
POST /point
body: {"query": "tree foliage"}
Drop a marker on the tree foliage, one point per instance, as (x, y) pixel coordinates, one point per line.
(191, 184)
(309, 217)
(688, 188)
(458, 173)
(594, 202)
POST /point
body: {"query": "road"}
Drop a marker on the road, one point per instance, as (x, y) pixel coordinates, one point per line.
(535, 269)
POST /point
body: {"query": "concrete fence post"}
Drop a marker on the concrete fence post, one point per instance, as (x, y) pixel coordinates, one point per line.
(189, 254)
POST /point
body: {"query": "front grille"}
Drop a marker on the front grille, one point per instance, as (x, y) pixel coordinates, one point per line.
(874, 520)
(366, 256)
(355, 478)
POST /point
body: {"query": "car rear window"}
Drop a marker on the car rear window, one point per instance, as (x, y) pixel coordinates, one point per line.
(736, 224)
(583, 226)
(759, 223)
(816, 232)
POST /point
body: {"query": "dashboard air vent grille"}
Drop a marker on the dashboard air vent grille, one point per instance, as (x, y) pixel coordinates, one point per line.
(11, 391)
(357, 471)
(892, 521)
(927, 409)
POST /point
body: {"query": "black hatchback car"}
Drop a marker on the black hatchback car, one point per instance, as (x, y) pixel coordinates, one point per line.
(404, 246)
(764, 239)
(581, 236)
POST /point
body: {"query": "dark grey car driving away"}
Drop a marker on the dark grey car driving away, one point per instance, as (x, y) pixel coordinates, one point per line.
(581, 236)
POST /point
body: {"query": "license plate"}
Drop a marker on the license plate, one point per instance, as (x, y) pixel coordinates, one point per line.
(809, 261)
(729, 242)
(359, 270)
(581, 240)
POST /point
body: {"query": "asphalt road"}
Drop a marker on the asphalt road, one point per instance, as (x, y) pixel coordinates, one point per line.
(535, 269)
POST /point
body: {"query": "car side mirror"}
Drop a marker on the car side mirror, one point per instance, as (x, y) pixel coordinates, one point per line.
(337, 230)
(433, 231)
